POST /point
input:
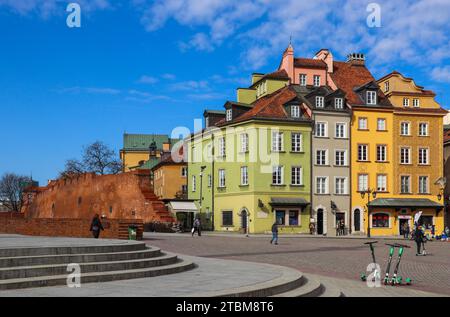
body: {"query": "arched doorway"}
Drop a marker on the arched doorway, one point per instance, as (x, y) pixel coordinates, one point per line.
(320, 221)
(244, 221)
(357, 219)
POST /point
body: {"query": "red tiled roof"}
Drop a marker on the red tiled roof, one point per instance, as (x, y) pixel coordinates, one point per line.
(270, 106)
(348, 77)
(309, 62)
(279, 74)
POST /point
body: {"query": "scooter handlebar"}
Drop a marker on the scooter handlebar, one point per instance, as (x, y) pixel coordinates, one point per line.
(372, 242)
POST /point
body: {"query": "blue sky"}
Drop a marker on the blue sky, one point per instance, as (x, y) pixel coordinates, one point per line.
(149, 66)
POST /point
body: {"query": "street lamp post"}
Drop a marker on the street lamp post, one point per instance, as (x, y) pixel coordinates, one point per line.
(374, 195)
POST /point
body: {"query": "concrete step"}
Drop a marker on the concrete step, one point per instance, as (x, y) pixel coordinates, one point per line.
(96, 277)
(55, 250)
(78, 258)
(312, 287)
(61, 269)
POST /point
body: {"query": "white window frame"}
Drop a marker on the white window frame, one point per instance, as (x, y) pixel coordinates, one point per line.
(194, 183)
(364, 126)
(339, 103)
(184, 171)
(229, 114)
(383, 186)
(336, 161)
(365, 152)
(296, 175)
(379, 120)
(303, 79)
(405, 155)
(278, 175)
(422, 150)
(222, 178)
(277, 141)
(344, 130)
(383, 153)
(416, 102)
(210, 180)
(427, 184)
(405, 102)
(363, 182)
(409, 184)
(244, 143)
(423, 124)
(295, 111)
(324, 186)
(386, 86)
(222, 147)
(320, 101)
(325, 129)
(344, 184)
(323, 158)
(244, 175)
(405, 124)
(316, 81)
(296, 142)
(371, 97)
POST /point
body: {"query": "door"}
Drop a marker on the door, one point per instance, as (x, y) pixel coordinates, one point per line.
(401, 224)
(357, 219)
(244, 221)
(320, 221)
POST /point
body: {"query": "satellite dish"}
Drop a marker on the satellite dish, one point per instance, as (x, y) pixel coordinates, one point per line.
(442, 181)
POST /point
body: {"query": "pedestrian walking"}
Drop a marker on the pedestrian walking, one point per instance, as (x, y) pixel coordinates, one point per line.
(406, 231)
(96, 226)
(274, 234)
(418, 236)
(197, 227)
(311, 228)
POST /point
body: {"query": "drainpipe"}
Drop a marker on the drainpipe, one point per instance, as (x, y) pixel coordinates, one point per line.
(212, 177)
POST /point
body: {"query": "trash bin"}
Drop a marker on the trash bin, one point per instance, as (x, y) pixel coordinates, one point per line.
(132, 232)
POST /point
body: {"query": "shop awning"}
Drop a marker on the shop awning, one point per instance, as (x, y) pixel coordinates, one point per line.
(404, 203)
(182, 206)
(279, 202)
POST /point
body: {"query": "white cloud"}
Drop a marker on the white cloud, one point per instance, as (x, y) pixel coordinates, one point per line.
(90, 90)
(441, 74)
(190, 85)
(148, 80)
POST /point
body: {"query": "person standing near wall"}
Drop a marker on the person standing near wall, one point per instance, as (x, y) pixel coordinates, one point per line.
(96, 226)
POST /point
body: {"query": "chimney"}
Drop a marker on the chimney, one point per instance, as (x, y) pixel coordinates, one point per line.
(356, 58)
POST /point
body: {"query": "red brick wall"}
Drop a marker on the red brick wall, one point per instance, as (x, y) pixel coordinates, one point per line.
(83, 196)
(15, 223)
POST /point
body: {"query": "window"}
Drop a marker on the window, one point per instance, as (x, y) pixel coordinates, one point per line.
(405, 102)
(362, 124)
(381, 153)
(340, 186)
(297, 142)
(416, 103)
(381, 124)
(295, 111)
(207, 122)
(363, 152)
(277, 175)
(316, 80)
(296, 175)
(371, 97)
(209, 180)
(405, 128)
(209, 150)
(222, 149)
(321, 129)
(321, 185)
(321, 157)
(229, 114)
(363, 182)
(426, 222)
(194, 183)
(227, 218)
(340, 158)
(423, 129)
(319, 101)
(405, 184)
(222, 178)
(386, 86)
(339, 103)
(244, 142)
(302, 79)
(423, 185)
(244, 175)
(281, 217)
(381, 183)
(405, 155)
(184, 189)
(293, 217)
(423, 156)
(277, 141)
(340, 130)
(184, 172)
(380, 220)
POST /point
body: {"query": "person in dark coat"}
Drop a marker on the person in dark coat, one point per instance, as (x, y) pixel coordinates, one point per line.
(96, 226)
(418, 236)
(197, 227)
(274, 234)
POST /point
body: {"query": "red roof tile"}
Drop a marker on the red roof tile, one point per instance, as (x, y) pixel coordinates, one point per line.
(279, 74)
(309, 63)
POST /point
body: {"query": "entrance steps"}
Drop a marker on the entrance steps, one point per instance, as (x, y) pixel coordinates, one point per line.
(48, 266)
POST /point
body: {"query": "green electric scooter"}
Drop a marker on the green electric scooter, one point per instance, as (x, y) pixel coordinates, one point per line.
(396, 279)
(372, 251)
(388, 268)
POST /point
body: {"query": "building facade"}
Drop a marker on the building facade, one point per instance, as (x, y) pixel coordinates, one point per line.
(170, 177)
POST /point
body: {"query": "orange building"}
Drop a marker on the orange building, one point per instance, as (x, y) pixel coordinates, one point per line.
(170, 178)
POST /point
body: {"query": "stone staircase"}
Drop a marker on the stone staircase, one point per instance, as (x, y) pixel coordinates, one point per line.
(47, 266)
(157, 205)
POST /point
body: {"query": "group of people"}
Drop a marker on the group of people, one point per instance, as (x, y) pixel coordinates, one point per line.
(340, 227)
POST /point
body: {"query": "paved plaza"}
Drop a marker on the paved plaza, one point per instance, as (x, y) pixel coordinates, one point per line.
(339, 260)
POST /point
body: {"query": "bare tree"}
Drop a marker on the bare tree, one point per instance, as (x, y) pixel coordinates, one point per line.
(97, 158)
(11, 189)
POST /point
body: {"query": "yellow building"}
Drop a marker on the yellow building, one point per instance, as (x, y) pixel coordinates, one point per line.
(137, 152)
(417, 157)
(170, 179)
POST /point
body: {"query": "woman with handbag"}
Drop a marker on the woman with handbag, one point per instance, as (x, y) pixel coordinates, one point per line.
(96, 226)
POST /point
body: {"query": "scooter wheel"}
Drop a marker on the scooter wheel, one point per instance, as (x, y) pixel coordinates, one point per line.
(363, 277)
(399, 280)
(408, 281)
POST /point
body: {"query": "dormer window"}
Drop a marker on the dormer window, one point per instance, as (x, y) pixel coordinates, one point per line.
(405, 102)
(229, 114)
(339, 103)
(302, 79)
(416, 103)
(316, 81)
(207, 122)
(295, 111)
(371, 97)
(386, 86)
(319, 102)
